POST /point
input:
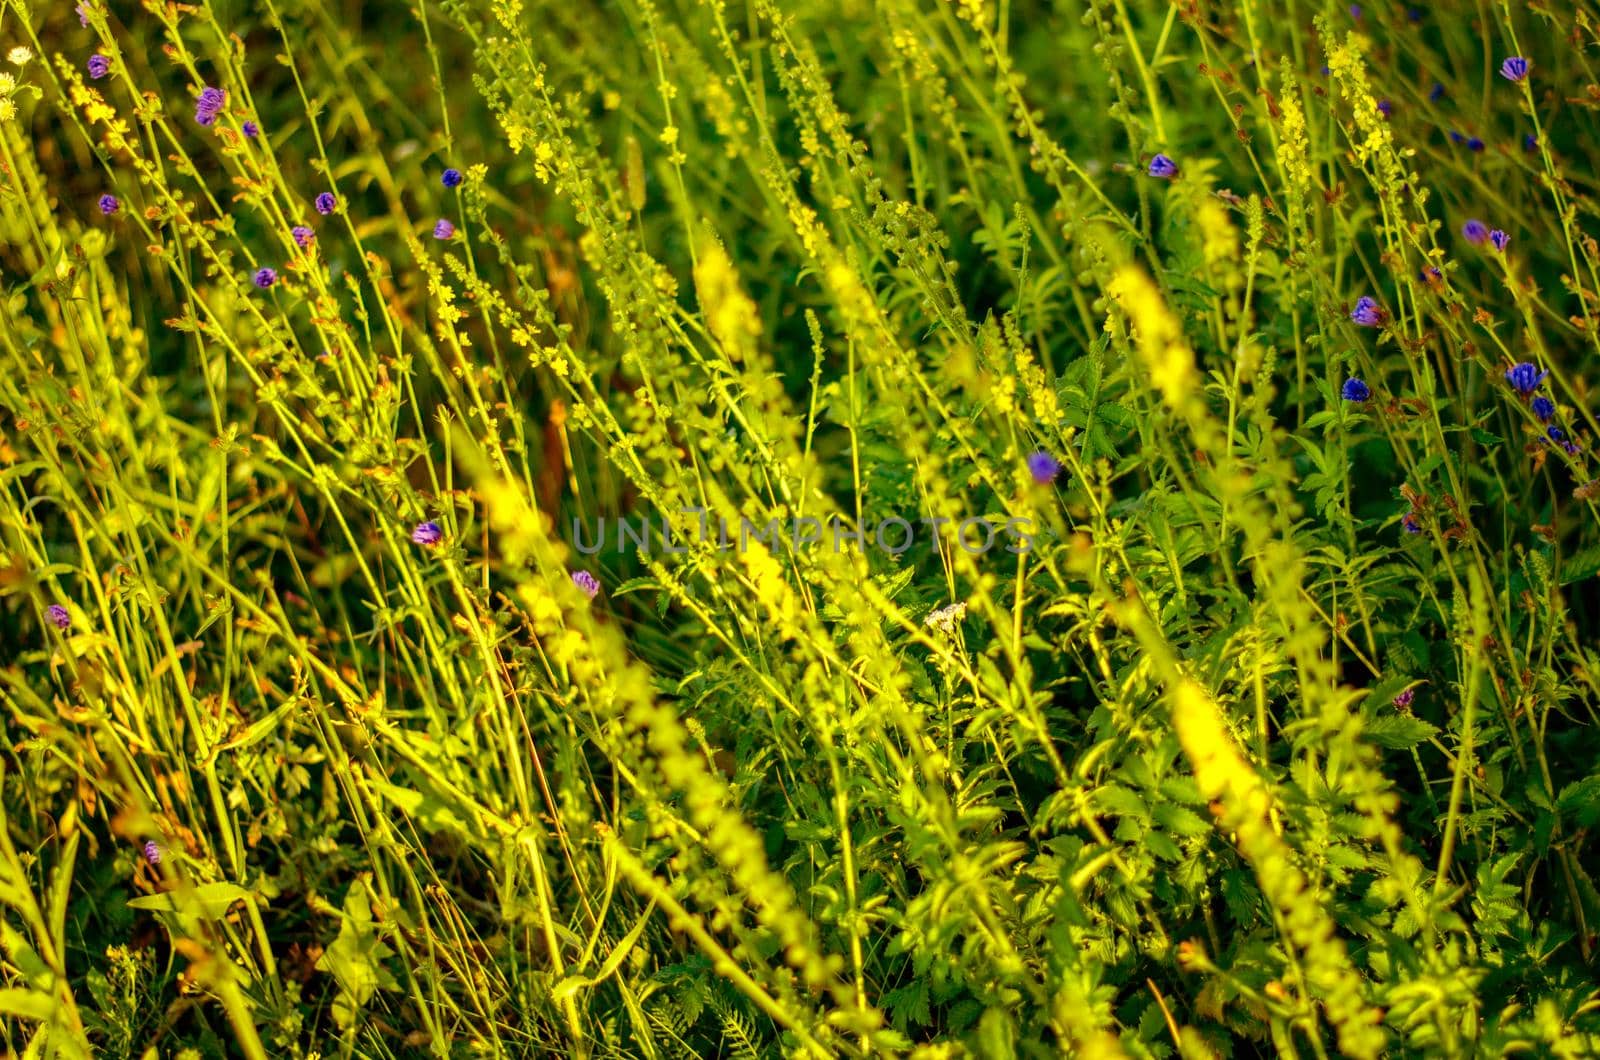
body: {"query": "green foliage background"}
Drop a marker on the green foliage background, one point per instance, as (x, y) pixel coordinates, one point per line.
(1230, 763)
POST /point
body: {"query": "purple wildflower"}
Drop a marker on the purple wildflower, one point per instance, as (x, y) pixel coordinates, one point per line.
(427, 534)
(1524, 377)
(1544, 408)
(99, 66)
(1414, 15)
(152, 852)
(326, 203)
(1385, 107)
(1432, 275)
(1410, 524)
(59, 617)
(444, 229)
(83, 13)
(1499, 239)
(1475, 232)
(1403, 700)
(1043, 467)
(1554, 433)
(109, 205)
(1436, 93)
(1475, 144)
(265, 278)
(1355, 12)
(1514, 68)
(209, 103)
(1355, 390)
(1456, 137)
(451, 177)
(1571, 448)
(586, 581)
(250, 129)
(1367, 312)
(1163, 167)
(303, 236)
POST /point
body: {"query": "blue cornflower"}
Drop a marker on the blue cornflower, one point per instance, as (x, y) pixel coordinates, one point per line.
(250, 129)
(1163, 167)
(1355, 390)
(1475, 144)
(1554, 433)
(427, 534)
(451, 177)
(1475, 232)
(1514, 68)
(326, 203)
(99, 66)
(109, 205)
(1524, 377)
(1544, 408)
(152, 852)
(1367, 312)
(59, 617)
(265, 278)
(586, 581)
(303, 236)
(1436, 93)
(444, 229)
(1385, 107)
(1499, 239)
(1043, 467)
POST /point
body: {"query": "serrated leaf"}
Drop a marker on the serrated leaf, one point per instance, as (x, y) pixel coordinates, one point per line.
(1180, 821)
(1398, 731)
(1581, 801)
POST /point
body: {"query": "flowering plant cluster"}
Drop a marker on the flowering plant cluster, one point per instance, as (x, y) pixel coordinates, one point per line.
(1103, 530)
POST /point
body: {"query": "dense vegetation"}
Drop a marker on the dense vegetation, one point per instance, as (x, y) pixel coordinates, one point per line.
(1120, 574)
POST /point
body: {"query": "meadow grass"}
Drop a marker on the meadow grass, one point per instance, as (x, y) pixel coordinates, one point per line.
(333, 337)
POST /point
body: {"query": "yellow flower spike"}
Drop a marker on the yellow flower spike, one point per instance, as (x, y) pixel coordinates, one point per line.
(729, 313)
(1163, 351)
(1223, 775)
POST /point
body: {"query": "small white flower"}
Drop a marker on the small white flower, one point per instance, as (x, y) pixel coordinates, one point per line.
(19, 56)
(945, 618)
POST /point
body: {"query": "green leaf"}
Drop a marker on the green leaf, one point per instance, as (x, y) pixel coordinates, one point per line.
(1398, 731)
(1580, 566)
(33, 1005)
(1581, 801)
(214, 900)
(1114, 798)
(429, 809)
(355, 959)
(1180, 821)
